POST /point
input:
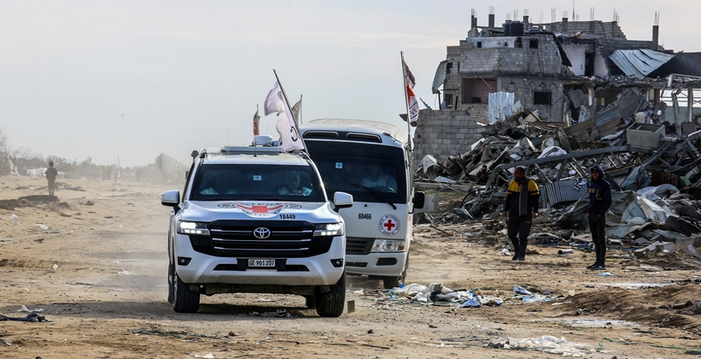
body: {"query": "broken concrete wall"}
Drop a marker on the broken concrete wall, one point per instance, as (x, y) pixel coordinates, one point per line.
(453, 79)
(577, 54)
(449, 132)
(581, 54)
(608, 30)
(524, 90)
(538, 55)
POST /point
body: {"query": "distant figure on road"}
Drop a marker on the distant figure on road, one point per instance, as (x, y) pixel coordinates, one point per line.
(520, 209)
(51, 174)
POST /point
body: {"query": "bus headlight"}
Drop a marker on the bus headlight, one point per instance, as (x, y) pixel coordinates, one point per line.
(197, 228)
(388, 245)
(328, 229)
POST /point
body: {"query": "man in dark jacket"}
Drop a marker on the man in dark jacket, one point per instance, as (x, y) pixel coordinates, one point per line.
(520, 209)
(51, 173)
(599, 203)
(482, 175)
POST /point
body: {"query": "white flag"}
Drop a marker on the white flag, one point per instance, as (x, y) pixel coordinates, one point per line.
(286, 126)
(411, 103)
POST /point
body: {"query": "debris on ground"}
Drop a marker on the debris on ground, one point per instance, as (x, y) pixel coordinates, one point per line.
(31, 317)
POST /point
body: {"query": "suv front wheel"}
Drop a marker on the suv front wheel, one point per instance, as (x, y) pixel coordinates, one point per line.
(185, 300)
(330, 304)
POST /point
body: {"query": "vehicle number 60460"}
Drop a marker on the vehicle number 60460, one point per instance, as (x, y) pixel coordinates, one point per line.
(364, 215)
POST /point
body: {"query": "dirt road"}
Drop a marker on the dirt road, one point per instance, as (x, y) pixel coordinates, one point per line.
(96, 264)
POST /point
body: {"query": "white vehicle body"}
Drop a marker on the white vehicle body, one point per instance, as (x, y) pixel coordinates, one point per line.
(234, 230)
(379, 224)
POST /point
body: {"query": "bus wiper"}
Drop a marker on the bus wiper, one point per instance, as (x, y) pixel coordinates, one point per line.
(376, 194)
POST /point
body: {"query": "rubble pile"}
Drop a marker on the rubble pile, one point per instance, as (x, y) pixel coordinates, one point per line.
(654, 169)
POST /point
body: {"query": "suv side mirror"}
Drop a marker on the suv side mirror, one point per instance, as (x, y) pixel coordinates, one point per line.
(419, 199)
(170, 198)
(342, 200)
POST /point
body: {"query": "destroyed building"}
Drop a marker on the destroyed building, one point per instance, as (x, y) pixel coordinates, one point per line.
(558, 99)
(563, 73)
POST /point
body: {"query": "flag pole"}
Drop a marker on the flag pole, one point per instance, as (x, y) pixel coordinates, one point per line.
(289, 109)
(406, 102)
(300, 108)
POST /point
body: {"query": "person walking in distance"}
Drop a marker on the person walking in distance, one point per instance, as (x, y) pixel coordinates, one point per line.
(51, 174)
(599, 203)
(520, 209)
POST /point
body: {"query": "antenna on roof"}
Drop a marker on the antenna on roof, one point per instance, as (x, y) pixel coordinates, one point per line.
(657, 18)
(591, 14)
(553, 17)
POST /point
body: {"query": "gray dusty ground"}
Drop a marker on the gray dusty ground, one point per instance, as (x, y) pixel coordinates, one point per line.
(96, 264)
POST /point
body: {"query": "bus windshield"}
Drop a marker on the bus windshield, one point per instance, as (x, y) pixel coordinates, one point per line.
(370, 172)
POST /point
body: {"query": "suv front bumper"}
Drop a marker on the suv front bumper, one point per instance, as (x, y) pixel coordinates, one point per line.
(376, 263)
(305, 271)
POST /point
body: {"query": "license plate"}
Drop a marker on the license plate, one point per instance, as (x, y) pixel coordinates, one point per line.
(261, 263)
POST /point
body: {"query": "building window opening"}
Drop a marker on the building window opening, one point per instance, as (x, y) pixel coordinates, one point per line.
(542, 98)
(533, 43)
(479, 44)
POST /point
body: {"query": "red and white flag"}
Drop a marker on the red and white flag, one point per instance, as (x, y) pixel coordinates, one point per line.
(412, 104)
(256, 120)
(286, 125)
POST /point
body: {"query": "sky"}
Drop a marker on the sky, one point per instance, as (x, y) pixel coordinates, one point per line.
(122, 81)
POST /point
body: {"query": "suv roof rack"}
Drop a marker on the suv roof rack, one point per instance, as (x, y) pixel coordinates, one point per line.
(251, 150)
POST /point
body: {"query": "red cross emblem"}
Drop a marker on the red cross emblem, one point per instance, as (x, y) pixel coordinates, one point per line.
(260, 209)
(389, 225)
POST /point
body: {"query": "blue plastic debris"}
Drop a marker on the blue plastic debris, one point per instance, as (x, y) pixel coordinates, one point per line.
(520, 290)
(473, 302)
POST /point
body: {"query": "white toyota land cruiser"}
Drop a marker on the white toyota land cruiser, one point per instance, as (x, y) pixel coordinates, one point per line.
(256, 219)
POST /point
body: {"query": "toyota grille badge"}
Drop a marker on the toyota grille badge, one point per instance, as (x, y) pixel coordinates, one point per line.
(261, 233)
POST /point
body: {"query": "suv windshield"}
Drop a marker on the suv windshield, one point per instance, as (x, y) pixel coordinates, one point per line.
(371, 173)
(238, 182)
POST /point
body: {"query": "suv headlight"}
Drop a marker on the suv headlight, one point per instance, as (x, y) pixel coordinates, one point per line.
(388, 245)
(198, 228)
(328, 229)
